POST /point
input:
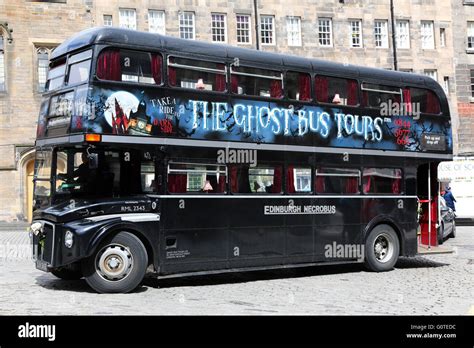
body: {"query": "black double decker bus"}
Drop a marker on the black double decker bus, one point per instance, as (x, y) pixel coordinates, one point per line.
(184, 157)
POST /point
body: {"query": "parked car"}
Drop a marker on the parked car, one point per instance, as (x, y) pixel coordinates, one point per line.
(447, 226)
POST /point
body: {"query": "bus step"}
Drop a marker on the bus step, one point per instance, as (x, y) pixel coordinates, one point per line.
(424, 250)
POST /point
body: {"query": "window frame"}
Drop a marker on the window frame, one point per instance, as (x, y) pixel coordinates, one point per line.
(163, 18)
(69, 64)
(186, 171)
(248, 29)
(425, 35)
(315, 97)
(402, 182)
(399, 33)
(362, 89)
(359, 179)
(182, 25)
(223, 21)
(3, 70)
(128, 11)
(272, 31)
(290, 31)
(329, 32)
(383, 33)
(359, 33)
(311, 191)
(109, 16)
(282, 79)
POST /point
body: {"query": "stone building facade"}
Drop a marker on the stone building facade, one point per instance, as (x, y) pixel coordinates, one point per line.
(348, 31)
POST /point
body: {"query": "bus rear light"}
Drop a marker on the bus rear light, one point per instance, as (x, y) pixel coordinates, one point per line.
(93, 138)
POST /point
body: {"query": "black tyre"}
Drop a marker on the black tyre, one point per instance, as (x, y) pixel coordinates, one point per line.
(453, 232)
(382, 248)
(441, 234)
(72, 272)
(118, 266)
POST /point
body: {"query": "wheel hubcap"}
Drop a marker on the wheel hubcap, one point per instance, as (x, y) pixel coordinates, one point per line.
(114, 262)
(383, 247)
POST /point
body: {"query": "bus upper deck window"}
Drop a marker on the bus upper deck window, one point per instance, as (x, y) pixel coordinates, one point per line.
(56, 74)
(258, 82)
(79, 66)
(130, 66)
(298, 86)
(196, 74)
(375, 95)
(427, 100)
(382, 180)
(336, 90)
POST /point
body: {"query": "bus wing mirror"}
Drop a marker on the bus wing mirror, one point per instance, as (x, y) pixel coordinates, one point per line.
(93, 160)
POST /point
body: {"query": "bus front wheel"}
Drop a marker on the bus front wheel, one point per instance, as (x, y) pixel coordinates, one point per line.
(118, 266)
(382, 248)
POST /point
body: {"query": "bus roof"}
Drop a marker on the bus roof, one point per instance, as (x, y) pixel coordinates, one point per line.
(120, 36)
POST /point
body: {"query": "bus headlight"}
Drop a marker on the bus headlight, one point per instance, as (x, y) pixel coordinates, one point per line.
(68, 239)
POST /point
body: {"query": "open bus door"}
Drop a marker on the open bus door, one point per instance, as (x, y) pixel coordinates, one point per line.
(429, 209)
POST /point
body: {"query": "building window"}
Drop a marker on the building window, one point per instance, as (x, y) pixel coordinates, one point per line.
(431, 73)
(293, 28)
(186, 25)
(267, 30)
(470, 35)
(156, 22)
(472, 83)
(381, 33)
(2, 65)
(218, 27)
(446, 84)
(128, 19)
(442, 37)
(243, 29)
(427, 35)
(403, 34)
(42, 58)
(325, 32)
(108, 20)
(356, 33)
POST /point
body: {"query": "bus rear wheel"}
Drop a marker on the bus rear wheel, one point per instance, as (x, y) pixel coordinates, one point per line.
(382, 248)
(118, 266)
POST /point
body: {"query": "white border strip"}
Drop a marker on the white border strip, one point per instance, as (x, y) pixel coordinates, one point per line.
(263, 196)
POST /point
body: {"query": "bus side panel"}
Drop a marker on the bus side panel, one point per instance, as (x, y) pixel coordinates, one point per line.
(195, 234)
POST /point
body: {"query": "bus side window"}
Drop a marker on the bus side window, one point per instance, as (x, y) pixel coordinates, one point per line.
(196, 74)
(426, 99)
(298, 86)
(374, 95)
(129, 66)
(334, 90)
(382, 180)
(257, 82)
(265, 179)
(298, 179)
(337, 180)
(196, 178)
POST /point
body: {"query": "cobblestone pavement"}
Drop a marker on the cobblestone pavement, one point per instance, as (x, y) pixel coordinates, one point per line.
(435, 284)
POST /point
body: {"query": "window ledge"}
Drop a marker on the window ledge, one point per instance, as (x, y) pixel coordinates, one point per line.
(471, 100)
(469, 50)
(468, 2)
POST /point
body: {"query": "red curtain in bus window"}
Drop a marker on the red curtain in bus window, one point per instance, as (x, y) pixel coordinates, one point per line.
(365, 98)
(352, 92)
(319, 185)
(156, 63)
(172, 76)
(108, 65)
(177, 183)
(432, 103)
(276, 188)
(220, 79)
(275, 89)
(407, 100)
(367, 184)
(234, 182)
(290, 180)
(396, 186)
(234, 82)
(322, 89)
(221, 184)
(351, 185)
(304, 87)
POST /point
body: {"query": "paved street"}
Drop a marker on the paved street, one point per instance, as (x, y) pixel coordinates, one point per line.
(436, 284)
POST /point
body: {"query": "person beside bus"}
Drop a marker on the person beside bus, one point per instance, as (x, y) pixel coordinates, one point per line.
(449, 198)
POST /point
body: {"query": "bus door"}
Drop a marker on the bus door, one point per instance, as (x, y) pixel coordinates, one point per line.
(428, 193)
